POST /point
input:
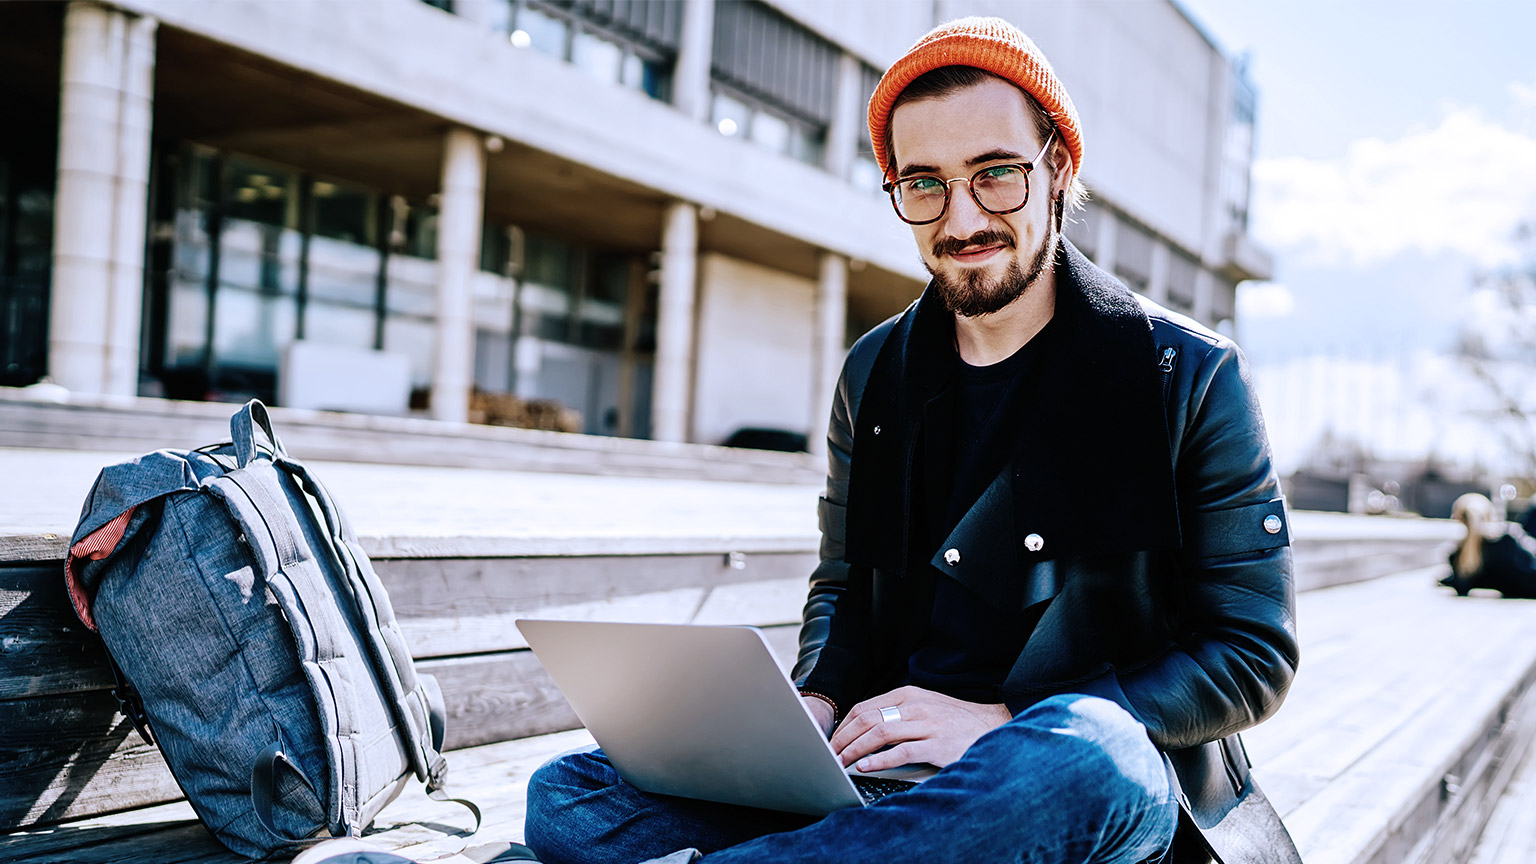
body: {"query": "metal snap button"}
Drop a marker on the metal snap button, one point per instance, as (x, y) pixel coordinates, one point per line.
(1034, 542)
(1272, 524)
(877, 430)
(951, 557)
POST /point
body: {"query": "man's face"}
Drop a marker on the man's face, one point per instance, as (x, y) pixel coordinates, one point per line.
(980, 261)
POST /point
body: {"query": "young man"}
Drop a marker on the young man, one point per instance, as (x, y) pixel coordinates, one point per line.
(1054, 556)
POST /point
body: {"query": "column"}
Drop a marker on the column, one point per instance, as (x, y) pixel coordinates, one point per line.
(460, 206)
(1157, 282)
(672, 384)
(105, 111)
(847, 116)
(696, 45)
(827, 346)
(1109, 224)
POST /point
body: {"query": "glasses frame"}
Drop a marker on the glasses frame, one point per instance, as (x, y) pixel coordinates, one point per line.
(970, 184)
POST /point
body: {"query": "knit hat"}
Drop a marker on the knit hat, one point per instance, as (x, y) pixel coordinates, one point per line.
(990, 44)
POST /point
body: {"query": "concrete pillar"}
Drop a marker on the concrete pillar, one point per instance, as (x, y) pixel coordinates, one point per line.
(102, 199)
(1108, 228)
(460, 205)
(1157, 281)
(847, 116)
(696, 46)
(827, 346)
(1205, 296)
(672, 384)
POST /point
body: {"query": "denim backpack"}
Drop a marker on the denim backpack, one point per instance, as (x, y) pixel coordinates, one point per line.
(253, 642)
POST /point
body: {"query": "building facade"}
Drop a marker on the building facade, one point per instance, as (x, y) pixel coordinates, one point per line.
(661, 213)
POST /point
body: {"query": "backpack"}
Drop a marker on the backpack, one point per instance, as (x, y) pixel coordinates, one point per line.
(253, 642)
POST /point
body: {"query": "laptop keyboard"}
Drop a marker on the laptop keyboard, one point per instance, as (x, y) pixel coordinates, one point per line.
(872, 789)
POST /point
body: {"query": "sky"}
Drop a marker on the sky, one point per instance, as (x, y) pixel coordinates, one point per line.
(1395, 158)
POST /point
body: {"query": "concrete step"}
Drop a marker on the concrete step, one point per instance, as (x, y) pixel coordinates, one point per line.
(1411, 708)
(1509, 837)
(142, 424)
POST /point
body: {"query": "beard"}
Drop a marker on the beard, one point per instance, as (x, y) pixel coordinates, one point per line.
(971, 293)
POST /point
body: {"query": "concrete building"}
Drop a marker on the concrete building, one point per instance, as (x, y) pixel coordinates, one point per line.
(661, 213)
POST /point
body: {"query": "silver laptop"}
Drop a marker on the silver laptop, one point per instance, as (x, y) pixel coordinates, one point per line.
(701, 712)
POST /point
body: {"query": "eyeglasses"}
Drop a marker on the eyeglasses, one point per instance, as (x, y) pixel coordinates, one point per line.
(997, 189)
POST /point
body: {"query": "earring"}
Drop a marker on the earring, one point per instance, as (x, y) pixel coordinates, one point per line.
(1061, 208)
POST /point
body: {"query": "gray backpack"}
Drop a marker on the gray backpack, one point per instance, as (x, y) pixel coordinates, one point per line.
(253, 642)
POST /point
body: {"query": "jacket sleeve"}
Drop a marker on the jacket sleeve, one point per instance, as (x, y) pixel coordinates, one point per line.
(834, 630)
(1236, 651)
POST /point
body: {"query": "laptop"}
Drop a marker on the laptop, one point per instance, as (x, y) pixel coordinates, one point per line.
(702, 712)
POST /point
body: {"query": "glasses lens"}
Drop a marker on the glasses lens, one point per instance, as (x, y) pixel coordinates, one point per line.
(1001, 188)
(920, 199)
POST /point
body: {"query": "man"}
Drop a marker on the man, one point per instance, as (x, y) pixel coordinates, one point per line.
(1054, 555)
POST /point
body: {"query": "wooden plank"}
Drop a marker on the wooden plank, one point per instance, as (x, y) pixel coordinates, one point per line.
(1389, 797)
(72, 755)
(446, 607)
(450, 607)
(1509, 836)
(43, 646)
(494, 776)
(504, 696)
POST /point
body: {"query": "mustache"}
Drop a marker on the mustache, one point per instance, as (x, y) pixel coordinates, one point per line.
(953, 246)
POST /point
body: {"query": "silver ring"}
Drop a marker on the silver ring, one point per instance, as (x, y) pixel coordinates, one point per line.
(890, 715)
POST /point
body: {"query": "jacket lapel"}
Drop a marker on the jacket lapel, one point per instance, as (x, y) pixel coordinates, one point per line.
(1090, 471)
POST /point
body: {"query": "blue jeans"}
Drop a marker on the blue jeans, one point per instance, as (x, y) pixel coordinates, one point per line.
(1071, 779)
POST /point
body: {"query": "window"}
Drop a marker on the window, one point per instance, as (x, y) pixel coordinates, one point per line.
(1183, 273)
(345, 261)
(264, 254)
(255, 304)
(410, 292)
(632, 44)
(576, 327)
(1133, 255)
(26, 259)
(773, 79)
(1237, 150)
(866, 168)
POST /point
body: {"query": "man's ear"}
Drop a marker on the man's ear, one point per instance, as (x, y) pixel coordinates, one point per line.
(1061, 167)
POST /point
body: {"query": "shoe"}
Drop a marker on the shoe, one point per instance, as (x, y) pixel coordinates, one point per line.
(1459, 585)
(348, 850)
(351, 850)
(495, 853)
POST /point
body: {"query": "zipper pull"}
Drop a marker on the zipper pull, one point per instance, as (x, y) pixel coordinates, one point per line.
(1166, 364)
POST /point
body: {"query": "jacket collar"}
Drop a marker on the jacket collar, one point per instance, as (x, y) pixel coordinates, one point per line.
(1091, 470)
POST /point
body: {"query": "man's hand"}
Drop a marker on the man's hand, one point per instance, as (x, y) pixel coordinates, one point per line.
(933, 728)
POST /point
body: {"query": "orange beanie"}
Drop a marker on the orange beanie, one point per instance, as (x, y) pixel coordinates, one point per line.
(990, 44)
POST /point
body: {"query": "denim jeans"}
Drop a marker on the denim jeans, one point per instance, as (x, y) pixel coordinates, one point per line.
(1072, 779)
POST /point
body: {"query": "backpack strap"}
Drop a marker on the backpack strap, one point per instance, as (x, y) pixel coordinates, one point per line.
(416, 699)
(295, 580)
(390, 652)
(264, 790)
(243, 426)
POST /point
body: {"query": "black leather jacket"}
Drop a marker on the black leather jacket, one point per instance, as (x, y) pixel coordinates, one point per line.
(1140, 506)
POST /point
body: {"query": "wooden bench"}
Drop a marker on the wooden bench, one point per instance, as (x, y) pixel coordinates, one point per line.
(1405, 725)
(1413, 712)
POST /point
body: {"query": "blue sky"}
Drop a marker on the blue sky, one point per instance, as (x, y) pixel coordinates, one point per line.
(1396, 153)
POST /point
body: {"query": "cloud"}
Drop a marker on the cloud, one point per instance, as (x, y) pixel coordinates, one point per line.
(1264, 300)
(1462, 186)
